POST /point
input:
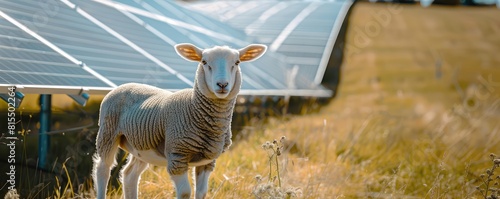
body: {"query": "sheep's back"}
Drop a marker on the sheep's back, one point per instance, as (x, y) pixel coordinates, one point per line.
(136, 111)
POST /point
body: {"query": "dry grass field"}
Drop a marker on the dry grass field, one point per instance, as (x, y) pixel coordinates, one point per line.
(416, 116)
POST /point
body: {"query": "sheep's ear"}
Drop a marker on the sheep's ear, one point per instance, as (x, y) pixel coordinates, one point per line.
(252, 52)
(189, 51)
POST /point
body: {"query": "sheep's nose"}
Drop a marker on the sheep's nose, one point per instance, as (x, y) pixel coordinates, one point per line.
(222, 84)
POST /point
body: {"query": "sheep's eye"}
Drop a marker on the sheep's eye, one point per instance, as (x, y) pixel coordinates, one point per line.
(232, 67)
(209, 67)
(204, 62)
(237, 62)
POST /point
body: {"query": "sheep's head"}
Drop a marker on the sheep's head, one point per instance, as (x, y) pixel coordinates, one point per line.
(218, 74)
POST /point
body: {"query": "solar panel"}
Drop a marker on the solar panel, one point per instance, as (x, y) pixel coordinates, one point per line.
(97, 48)
(138, 30)
(132, 41)
(172, 10)
(269, 72)
(302, 31)
(26, 61)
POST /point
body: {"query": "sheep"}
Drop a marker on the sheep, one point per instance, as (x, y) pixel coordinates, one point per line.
(187, 128)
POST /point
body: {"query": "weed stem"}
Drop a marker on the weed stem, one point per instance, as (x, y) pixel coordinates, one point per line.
(278, 171)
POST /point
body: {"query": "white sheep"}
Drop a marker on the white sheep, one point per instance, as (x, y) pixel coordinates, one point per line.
(188, 128)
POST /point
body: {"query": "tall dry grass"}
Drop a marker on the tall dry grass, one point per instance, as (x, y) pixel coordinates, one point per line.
(416, 116)
(358, 154)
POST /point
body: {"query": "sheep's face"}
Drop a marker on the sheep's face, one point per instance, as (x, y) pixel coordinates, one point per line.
(219, 66)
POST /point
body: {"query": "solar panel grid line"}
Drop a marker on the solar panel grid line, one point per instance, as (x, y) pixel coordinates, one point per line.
(6, 78)
(148, 27)
(34, 61)
(148, 7)
(265, 16)
(62, 73)
(130, 43)
(260, 73)
(151, 28)
(38, 37)
(315, 38)
(212, 23)
(81, 52)
(190, 36)
(19, 55)
(292, 25)
(171, 21)
(54, 80)
(204, 20)
(19, 67)
(3, 27)
(242, 20)
(93, 72)
(279, 19)
(195, 39)
(175, 11)
(44, 74)
(27, 19)
(247, 6)
(133, 70)
(7, 52)
(331, 41)
(302, 60)
(64, 31)
(301, 48)
(12, 48)
(251, 82)
(160, 35)
(133, 79)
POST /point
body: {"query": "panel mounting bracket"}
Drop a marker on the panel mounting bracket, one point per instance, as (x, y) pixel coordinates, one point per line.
(82, 97)
(18, 96)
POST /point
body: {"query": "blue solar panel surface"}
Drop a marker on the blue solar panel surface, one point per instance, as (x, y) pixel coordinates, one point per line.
(310, 27)
(92, 45)
(132, 41)
(257, 74)
(26, 61)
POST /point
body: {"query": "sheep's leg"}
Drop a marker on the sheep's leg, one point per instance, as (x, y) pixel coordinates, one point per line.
(177, 168)
(104, 160)
(201, 178)
(182, 188)
(131, 175)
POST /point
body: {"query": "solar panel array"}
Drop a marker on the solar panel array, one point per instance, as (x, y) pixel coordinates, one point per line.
(101, 44)
(304, 32)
